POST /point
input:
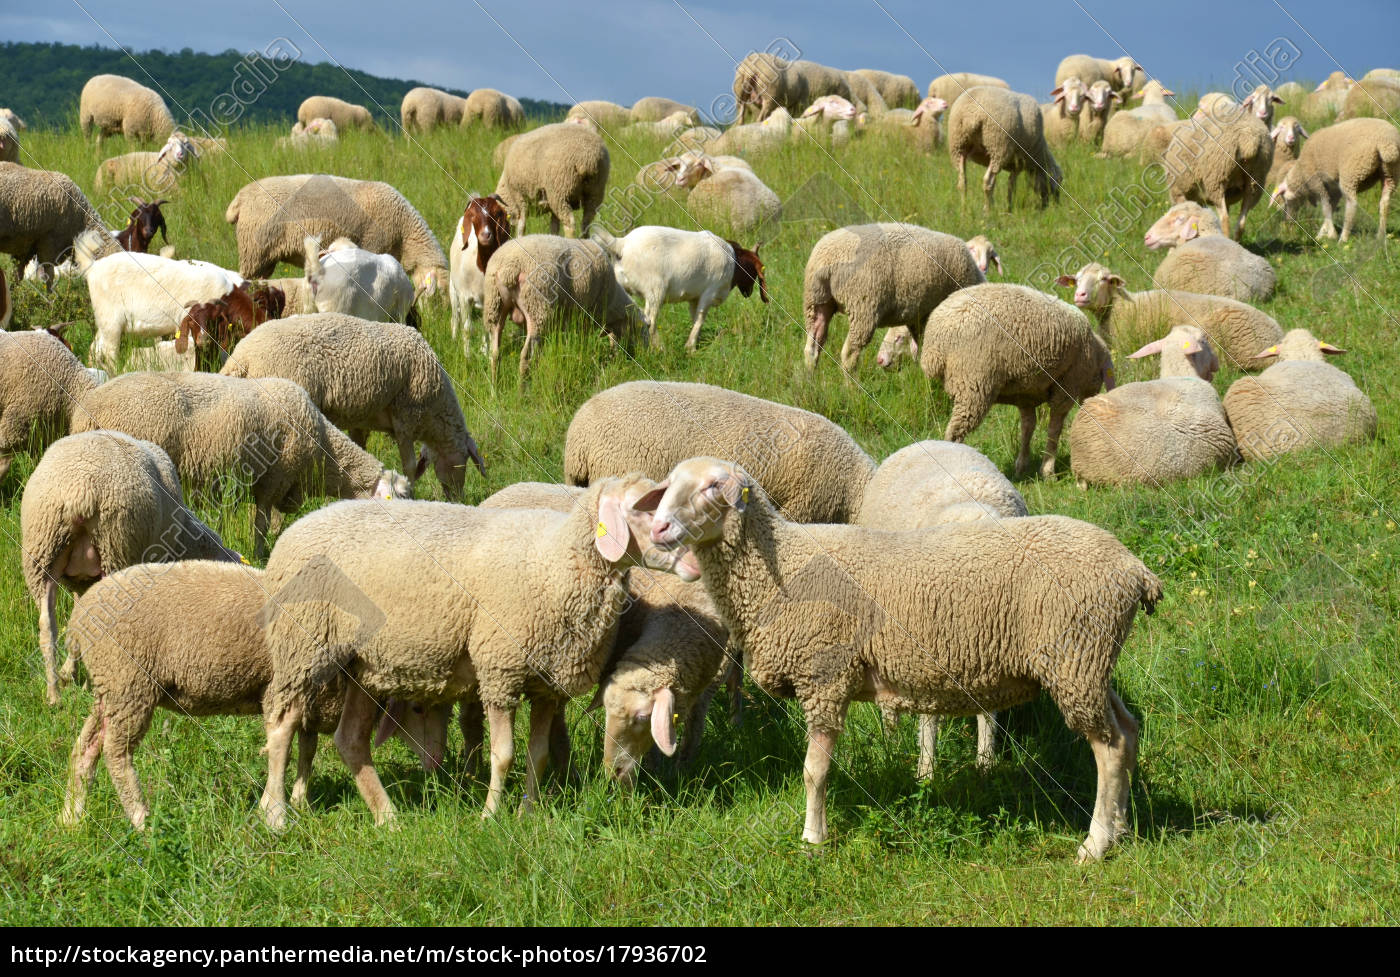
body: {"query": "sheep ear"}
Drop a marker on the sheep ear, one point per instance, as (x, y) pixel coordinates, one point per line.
(1117, 98)
(1273, 133)
(1151, 349)
(1192, 229)
(1329, 349)
(652, 499)
(1302, 132)
(1270, 351)
(612, 536)
(393, 715)
(997, 258)
(663, 720)
(1115, 280)
(1277, 100)
(597, 701)
(1066, 281)
(421, 467)
(1058, 94)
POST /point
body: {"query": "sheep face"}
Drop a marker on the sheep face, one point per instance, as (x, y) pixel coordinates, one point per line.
(1101, 95)
(1184, 342)
(984, 253)
(930, 108)
(699, 497)
(1184, 222)
(899, 344)
(1095, 287)
(635, 720)
(1071, 93)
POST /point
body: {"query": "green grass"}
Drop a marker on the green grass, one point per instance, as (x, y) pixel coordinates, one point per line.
(1266, 790)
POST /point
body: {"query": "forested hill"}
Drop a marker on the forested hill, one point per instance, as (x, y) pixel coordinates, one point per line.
(41, 83)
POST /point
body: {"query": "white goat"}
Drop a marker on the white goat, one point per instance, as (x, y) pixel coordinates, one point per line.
(349, 279)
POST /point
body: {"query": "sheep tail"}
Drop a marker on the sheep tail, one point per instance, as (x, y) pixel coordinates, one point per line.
(231, 215)
(1151, 591)
(1389, 153)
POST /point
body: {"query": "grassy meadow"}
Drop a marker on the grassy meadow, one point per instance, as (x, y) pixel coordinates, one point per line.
(1267, 682)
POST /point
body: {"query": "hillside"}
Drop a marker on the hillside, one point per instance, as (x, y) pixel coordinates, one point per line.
(41, 82)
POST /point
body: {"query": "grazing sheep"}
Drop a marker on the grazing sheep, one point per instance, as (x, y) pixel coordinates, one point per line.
(562, 167)
(359, 283)
(1120, 73)
(1002, 130)
(42, 212)
(1202, 260)
(1218, 161)
(135, 635)
(898, 91)
(9, 142)
(1125, 131)
(267, 431)
(381, 377)
(652, 108)
(664, 265)
(1299, 402)
(426, 108)
(541, 282)
(1009, 344)
(922, 126)
(937, 483)
(1061, 115)
(41, 381)
(834, 614)
(1339, 162)
(1099, 108)
(153, 173)
(764, 82)
(1157, 431)
(1288, 135)
(98, 502)
(735, 199)
(951, 87)
(113, 103)
(1236, 330)
(346, 115)
(1374, 98)
(480, 636)
(606, 116)
(492, 109)
(880, 275)
(816, 471)
(483, 227)
(273, 216)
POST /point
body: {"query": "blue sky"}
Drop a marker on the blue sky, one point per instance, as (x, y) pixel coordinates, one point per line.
(623, 49)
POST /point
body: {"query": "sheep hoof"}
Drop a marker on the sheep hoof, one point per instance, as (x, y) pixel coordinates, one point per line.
(275, 815)
(814, 837)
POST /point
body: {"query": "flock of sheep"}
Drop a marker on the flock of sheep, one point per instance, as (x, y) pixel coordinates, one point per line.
(700, 534)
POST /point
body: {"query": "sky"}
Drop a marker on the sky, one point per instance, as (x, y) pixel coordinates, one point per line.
(619, 50)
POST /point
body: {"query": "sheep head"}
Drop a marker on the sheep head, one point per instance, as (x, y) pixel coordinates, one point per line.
(692, 506)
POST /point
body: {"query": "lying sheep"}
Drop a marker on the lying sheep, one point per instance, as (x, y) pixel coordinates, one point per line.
(1009, 344)
(1216, 162)
(880, 275)
(358, 283)
(1202, 260)
(736, 200)
(1372, 98)
(98, 502)
(664, 265)
(483, 227)
(113, 103)
(1125, 131)
(273, 216)
(1328, 98)
(480, 636)
(774, 131)
(938, 483)
(1236, 330)
(1121, 73)
(1339, 162)
(1002, 130)
(346, 115)
(1157, 431)
(425, 108)
(1060, 116)
(951, 87)
(268, 431)
(541, 282)
(898, 91)
(382, 377)
(42, 212)
(815, 470)
(41, 381)
(1299, 402)
(316, 134)
(153, 172)
(565, 167)
(134, 633)
(1099, 108)
(653, 108)
(834, 614)
(607, 116)
(493, 109)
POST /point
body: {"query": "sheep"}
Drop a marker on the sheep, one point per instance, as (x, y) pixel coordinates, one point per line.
(98, 502)
(1002, 130)
(492, 109)
(815, 470)
(1288, 135)
(382, 377)
(1009, 344)
(607, 116)
(694, 139)
(281, 446)
(273, 216)
(832, 614)
(880, 275)
(42, 212)
(113, 103)
(561, 166)
(483, 227)
(1158, 138)
(145, 295)
(775, 130)
(1215, 105)
(1120, 73)
(134, 633)
(661, 129)
(655, 109)
(1236, 330)
(898, 91)
(664, 265)
(346, 115)
(865, 94)
(1125, 131)
(1291, 91)
(1329, 97)
(922, 126)
(359, 283)
(1339, 162)
(482, 637)
(951, 87)
(936, 483)
(425, 108)
(737, 200)
(1386, 74)
(1157, 431)
(41, 381)
(1260, 103)
(764, 82)
(14, 120)
(541, 281)
(830, 108)
(1299, 402)
(984, 252)
(1202, 260)
(1214, 162)
(1099, 108)
(1374, 98)
(1060, 117)
(316, 134)
(9, 142)
(153, 172)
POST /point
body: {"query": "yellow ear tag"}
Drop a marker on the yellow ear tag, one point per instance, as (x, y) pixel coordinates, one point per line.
(1273, 349)
(744, 495)
(1186, 346)
(602, 530)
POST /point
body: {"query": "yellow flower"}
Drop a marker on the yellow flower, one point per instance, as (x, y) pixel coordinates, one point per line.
(1251, 555)
(1389, 525)
(1193, 574)
(1251, 585)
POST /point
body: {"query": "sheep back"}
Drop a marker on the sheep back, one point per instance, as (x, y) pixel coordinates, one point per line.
(1297, 405)
(113, 103)
(346, 115)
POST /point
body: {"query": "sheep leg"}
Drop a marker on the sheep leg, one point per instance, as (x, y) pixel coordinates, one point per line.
(1114, 756)
(697, 318)
(262, 515)
(1224, 212)
(960, 161)
(537, 750)
(494, 352)
(986, 739)
(82, 764)
(695, 727)
(1349, 217)
(818, 322)
(408, 454)
(862, 327)
(928, 747)
(306, 753)
(734, 685)
(1023, 456)
(48, 636)
(989, 184)
(273, 802)
(1059, 409)
(1387, 188)
(1011, 190)
(121, 736)
(527, 349)
(502, 722)
(352, 736)
(359, 435)
(967, 414)
(821, 743)
(561, 749)
(471, 720)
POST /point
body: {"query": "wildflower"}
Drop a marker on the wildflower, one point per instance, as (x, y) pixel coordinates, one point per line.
(1251, 585)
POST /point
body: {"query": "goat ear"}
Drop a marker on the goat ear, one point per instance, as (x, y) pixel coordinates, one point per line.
(182, 335)
(421, 467)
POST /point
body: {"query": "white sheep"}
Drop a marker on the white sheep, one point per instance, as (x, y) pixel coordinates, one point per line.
(358, 282)
(1121, 73)
(153, 173)
(1002, 130)
(1202, 260)
(664, 265)
(1061, 114)
(1100, 107)
(9, 142)
(1214, 161)
(560, 167)
(951, 87)
(1288, 135)
(1339, 162)
(774, 131)
(14, 120)
(40, 383)
(113, 103)
(42, 212)
(1124, 132)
